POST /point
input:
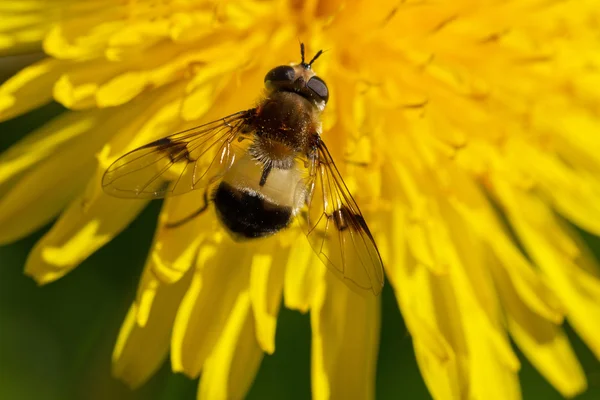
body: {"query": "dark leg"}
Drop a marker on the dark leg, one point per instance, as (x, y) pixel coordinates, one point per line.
(190, 217)
(265, 174)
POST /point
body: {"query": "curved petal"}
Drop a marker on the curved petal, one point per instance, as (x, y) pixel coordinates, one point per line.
(454, 316)
(175, 247)
(266, 285)
(542, 341)
(48, 140)
(576, 287)
(54, 182)
(140, 351)
(302, 276)
(30, 88)
(345, 340)
(231, 367)
(25, 23)
(440, 375)
(174, 250)
(81, 230)
(222, 273)
(94, 218)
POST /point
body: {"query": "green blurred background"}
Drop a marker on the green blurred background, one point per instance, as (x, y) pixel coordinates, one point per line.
(56, 341)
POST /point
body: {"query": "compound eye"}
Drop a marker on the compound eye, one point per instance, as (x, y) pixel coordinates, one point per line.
(283, 73)
(318, 86)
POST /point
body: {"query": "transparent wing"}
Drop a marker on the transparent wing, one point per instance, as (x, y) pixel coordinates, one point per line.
(336, 229)
(179, 163)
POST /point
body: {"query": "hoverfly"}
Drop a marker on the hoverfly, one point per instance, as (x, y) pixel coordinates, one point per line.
(261, 168)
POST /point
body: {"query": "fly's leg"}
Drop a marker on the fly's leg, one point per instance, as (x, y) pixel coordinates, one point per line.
(176, 224)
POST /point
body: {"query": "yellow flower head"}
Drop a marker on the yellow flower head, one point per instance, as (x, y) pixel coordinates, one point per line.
(470, 128)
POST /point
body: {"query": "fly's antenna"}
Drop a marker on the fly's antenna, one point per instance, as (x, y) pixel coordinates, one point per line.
(303, 63)
(315, 57)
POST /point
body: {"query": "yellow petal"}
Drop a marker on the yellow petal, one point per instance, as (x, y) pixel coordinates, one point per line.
(29, 88)
(93, 218)
(105, 83)
(459, 340)
(479, 289)
(440, 376)
(345, 339)
(22, 42)
(223, 272)
(303, 274)
(491, 378)
(45, 141)
(121, 89)
(147, 291)
(492, 364)
(76, 89)
(191, 25)
(83, 37)
(266, 285)
(138, 35)
(475, 209)
(565, 268)
(529, 286)
(572, 127)
(55, 181)
(158, 115)
(574, 193)
(175, 247)
(24, 24)
(411, 283)
(431, 316)
(543, 342)
(578, 290)
(231, 367)
(155, 68)
(85, 226)
(197, 103)
(140, 351)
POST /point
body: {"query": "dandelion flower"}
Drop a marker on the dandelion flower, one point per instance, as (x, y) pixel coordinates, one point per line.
(470, 127)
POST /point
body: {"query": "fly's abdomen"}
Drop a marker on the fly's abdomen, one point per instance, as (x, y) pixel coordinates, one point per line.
(248, 215)
(254, 201)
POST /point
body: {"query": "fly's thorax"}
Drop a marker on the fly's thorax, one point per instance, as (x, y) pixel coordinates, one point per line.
(288, 118)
